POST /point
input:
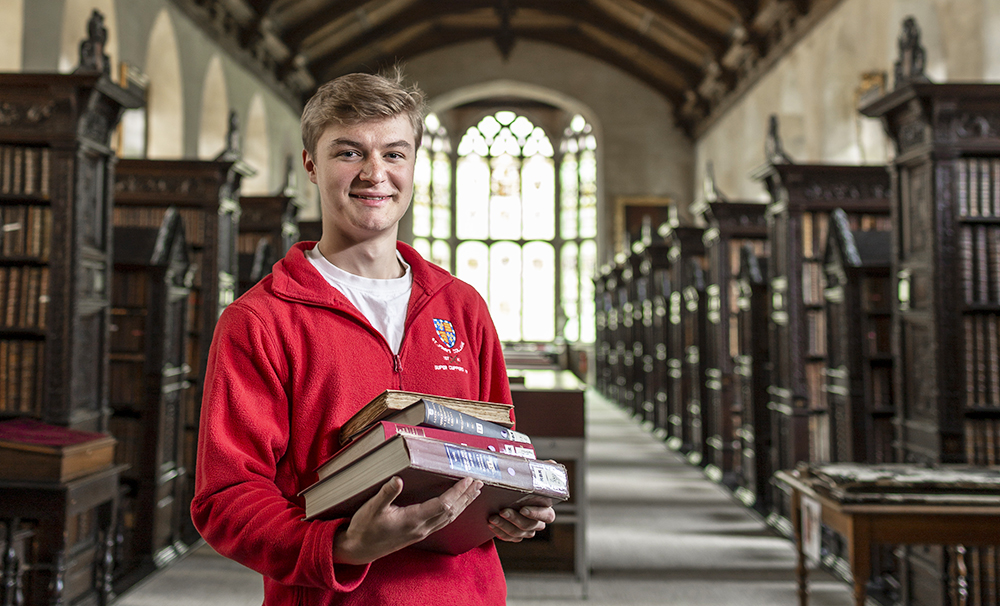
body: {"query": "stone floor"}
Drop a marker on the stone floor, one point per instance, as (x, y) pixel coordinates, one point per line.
(658, 532)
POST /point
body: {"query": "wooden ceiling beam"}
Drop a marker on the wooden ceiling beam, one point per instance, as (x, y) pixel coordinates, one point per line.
(403, 20)
(587, 13)
(570, 37)
(715, 39)
(307, 25)
(572, 10)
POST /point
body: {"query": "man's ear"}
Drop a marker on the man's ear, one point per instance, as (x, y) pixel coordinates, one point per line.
(309, 165)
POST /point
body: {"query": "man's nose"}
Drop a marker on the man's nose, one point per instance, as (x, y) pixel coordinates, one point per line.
(373, 170)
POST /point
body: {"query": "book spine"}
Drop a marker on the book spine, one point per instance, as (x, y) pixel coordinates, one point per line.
(540, 477)
(442, 417)
(519, 449)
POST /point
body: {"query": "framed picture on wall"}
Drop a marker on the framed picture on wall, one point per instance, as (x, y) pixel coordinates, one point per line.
(636, 214)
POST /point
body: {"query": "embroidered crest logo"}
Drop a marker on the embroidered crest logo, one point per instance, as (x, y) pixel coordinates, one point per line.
(445, 332)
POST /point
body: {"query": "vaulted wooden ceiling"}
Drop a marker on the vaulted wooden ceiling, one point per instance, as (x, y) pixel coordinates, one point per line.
(699, 54)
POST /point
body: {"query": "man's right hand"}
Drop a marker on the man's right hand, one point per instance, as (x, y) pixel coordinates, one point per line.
(379, 528)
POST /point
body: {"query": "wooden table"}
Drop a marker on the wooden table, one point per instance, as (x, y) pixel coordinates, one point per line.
(940, 517)
(549, 407)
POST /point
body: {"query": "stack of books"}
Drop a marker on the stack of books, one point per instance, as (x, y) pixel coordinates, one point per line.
(430, 442)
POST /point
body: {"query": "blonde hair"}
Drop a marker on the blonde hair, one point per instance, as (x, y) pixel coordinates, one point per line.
(355, 98)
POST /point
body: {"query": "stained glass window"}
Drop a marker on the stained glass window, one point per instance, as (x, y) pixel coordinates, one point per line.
(525, 219)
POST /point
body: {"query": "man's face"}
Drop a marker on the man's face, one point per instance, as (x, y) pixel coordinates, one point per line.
(365, 176)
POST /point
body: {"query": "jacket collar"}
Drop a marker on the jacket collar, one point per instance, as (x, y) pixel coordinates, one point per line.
(294, 278)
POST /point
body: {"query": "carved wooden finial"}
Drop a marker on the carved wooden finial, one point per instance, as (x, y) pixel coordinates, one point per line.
(291, 185)
(232, 150)
(709, 186)
(909, 67)
(92, 55)
(773, 150)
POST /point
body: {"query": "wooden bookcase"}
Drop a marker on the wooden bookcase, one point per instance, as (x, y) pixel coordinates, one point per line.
(686, 314)
(268, 228)
(205, 193)
(946, 251)
(149, 377)
(619, 328)
(655, 268)
(858, 297)
(56, 171)
(802, 198)
(56, 176)
(603, 299)
(730, 226)
(751, 376)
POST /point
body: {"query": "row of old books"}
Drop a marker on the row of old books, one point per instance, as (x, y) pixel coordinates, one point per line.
(979, 254)
(24, 170)
(982, 361)
(982, 441)
(138, 216)
(26, 231)
(430, 442)
(21, 375)
(978, 187)
(25, 299)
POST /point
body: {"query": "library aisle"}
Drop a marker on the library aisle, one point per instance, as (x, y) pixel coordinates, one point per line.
(659, 533)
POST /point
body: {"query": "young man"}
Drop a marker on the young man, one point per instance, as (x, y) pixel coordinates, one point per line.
(336, 323)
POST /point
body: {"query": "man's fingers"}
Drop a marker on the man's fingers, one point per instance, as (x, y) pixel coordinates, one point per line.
(388, 493)
(444, 509)
(514, 526)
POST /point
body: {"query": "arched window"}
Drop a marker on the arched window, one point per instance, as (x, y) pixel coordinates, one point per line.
(522, 226)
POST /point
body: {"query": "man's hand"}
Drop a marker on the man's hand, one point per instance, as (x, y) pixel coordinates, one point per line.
(379, 528)
(515, 526)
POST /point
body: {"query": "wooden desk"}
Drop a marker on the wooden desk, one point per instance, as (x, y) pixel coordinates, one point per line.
(941, 517)
(549, 407)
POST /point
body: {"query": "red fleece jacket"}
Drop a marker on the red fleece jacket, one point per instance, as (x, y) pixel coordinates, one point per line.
(290, 361)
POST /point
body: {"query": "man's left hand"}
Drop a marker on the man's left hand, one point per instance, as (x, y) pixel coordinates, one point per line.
(516, 525)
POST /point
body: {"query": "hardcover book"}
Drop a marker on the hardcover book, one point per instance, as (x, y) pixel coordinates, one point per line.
(32, 450)
(428, 467)
(391, 401)
(384, 430)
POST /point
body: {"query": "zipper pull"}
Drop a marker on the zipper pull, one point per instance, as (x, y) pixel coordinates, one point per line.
(396, 366)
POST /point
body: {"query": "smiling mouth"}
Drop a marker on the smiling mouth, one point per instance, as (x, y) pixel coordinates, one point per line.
(370, 198)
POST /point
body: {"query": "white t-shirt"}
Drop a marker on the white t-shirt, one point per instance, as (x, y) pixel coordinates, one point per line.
(382, 302)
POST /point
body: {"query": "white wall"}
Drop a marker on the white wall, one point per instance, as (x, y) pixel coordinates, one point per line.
(813, 89)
